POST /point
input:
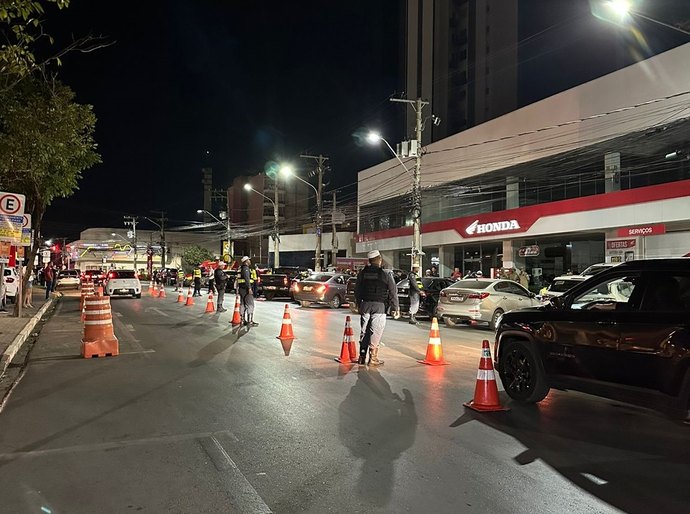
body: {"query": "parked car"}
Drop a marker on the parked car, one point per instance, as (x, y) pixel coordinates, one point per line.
(96, 276)
(68, 279)
(598, 268)
(321, 288)
(429, 292)
(123, 282)
(280, 283)
(11, 284)
(560, 285)
(232, 276)
(398, 275)
(622, 334)
(482, 299)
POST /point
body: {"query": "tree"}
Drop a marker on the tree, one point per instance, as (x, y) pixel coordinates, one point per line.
(194, 255)
(46, 142)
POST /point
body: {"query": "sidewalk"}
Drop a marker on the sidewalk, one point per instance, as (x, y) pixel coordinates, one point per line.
(15, 331)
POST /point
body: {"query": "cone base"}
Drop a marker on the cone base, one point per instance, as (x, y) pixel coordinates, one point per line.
(345, 361)
(100, 348)
(485, 408)
(235, 323)
(435, 363)
(286, 343)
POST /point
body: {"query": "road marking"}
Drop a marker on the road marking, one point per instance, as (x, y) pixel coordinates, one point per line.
(157, 310)
(124, 333)
(118, 314)
(135, 353)
(130, 327)
(245, 496)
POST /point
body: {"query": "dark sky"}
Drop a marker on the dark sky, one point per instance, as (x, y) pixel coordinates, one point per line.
(254, 81)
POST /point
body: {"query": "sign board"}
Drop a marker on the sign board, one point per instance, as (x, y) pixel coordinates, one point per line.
(12, 204)
(620, 244)
(225, 250)
(26, 230)
(5, 249)
(529, 251)
(647, 230)
(11, 228)
(45, 255)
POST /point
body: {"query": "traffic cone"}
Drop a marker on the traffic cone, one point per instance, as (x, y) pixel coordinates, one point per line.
(99, 339)
(486, 391)
(209, 304)
(180, 296)
(236, 318)
(154, 293)
(190, 298)
(434, 352)
(151, 288)
(348, 345)
(286, 336)
(161, 292)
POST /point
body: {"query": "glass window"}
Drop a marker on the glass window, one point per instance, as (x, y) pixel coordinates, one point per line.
(614, 292)
(514, 288)
(562, 285)
(470, 284)
(320, 278)
(667, 293)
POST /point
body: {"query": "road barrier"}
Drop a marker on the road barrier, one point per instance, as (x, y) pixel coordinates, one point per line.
(348, 350)
(434, 351)
(486, 391)
(286, 335)
(209, 303)
(99, 339)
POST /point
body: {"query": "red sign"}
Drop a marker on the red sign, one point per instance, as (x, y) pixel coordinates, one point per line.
(529, 251)
(620, 244)
(647, 230)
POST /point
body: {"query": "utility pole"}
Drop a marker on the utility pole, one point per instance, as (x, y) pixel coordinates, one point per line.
(417, 252)
(161, 226)
(320, 161)
(276, 235)
(131, 221)
(334, 235)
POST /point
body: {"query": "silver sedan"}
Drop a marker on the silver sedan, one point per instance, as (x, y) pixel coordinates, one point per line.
(482, 299)
(321, 288)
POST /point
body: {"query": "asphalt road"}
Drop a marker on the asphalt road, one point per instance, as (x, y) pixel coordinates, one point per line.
(195, 416)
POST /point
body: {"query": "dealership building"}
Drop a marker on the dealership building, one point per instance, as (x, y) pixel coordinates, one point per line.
(597, 173)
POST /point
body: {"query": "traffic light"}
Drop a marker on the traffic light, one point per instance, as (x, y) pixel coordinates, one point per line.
(55, 248)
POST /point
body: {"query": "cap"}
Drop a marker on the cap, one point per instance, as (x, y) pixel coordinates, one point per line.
(372, 254)
(245, 258)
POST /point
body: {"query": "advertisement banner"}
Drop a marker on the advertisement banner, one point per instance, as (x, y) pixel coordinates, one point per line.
(11, 228)
(620, 244)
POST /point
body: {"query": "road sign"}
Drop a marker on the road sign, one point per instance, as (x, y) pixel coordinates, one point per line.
(26, 230)
(45, 254)
(12, 203)
(11, 228)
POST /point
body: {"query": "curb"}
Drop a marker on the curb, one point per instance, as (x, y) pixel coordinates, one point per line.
(21, 338)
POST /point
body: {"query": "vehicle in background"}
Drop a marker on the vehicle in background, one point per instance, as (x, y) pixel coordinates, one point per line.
(321, 288)
(482, 299)
(122, 282)
(429, 291)
(350, 294)
(560, 285)
(622, 334)
(11, 284)
(598, 268)
(96, 276)
(170, 275)
(68, 279)
(280, 283)
(232, 276)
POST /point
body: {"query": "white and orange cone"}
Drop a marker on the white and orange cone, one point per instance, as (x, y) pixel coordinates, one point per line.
(486, 391)
(434, 351)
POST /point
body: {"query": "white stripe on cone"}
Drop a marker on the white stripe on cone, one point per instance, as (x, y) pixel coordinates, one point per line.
(99, 322)
(434, 340)
(486, 374)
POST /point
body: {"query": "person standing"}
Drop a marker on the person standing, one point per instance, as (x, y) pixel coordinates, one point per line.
(197, 280)
(456, 274)
(374, 287)
(29, 293)
(244, 285)
(49, 275)
(523, 278)
(255, 279)
(220, 279)
(180, 279)
(414, 294)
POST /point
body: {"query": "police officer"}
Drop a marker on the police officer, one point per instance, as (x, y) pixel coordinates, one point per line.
(254, 279)
(220, 279)
(414, 294)
(197, 280)
(180, 279)
(374, 287)
(244, 284)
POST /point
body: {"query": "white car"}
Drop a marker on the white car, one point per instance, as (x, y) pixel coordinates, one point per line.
(561, 284)
(68, 279)
(122, 282)
(11, 284)
(598, 268)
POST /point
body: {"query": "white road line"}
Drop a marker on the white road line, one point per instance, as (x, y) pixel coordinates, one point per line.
(118, 314)
(130, 327)
(135, 353)
(245, 497)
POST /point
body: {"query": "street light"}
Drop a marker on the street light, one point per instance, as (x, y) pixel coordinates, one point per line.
(276, 235)
(231, 245)
(287, 171)
(623, 9)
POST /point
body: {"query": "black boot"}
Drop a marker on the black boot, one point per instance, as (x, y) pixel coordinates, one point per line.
(362, 355)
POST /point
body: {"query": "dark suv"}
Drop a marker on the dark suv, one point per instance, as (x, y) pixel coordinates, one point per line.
(623, 334)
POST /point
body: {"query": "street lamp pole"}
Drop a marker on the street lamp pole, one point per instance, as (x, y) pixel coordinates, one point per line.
(132, 221)
(276, 235)
(226, 224)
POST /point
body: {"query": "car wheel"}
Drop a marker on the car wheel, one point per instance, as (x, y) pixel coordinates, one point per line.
(522, 373)
(494, 319)
(137, 295)
(450, 322)
(269, 296)
(335, 302)
(304, 303)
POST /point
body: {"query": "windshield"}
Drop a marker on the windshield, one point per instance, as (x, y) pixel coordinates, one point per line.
(470, 284)
(319, 278)
(285, 271)
(561, 286)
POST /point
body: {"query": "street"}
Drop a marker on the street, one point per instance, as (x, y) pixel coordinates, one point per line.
(197, 416)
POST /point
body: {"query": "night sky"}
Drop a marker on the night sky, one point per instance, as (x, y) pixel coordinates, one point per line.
(258, 81)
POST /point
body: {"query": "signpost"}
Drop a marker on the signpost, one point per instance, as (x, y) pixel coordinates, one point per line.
(11, 229)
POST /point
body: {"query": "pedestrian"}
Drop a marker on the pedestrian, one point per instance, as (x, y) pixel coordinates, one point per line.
(374, 287)
(434, 271)
(456, 274)
(180, 279)
(255, 279)
(414, 294)
(49, 275)
(197, 280)
(220, 279)
(212, 277)
(524, 278)
(29, 293)
(427, 273)
(246, 295)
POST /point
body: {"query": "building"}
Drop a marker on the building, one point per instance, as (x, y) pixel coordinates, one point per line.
(598, 172)
(461, 55)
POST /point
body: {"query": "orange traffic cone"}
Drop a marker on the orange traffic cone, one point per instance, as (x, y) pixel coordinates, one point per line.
(348, 345)
(486, 390)
(161, 292)
(180, 296)
(154, 293)
(434, 352)
(190, 298)
(151, 288)
(286, 336)
(209, 304)
(236, 318)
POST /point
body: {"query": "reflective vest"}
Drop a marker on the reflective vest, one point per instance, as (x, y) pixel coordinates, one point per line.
(180, 274)
(374, 284)
(240, 277)
(253, 275)
(197, 273)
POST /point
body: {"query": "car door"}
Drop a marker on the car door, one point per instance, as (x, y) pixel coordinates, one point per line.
(339, 281)
(506, 299)
(653, 330)
(518, 296)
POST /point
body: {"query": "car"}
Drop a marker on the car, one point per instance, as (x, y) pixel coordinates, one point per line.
(230, 283)
(598, 268)
(123, 282)
(622, 334)
(96, 276)
(281, 282)
(321, 288)
(482, 300)
(68, 279)
(11, 284)
(560, 285)
(429, 292)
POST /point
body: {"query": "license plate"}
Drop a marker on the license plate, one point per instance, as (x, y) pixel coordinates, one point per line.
(307, 288)
(457, 298)
(270, 288)
(124, 290)
(401, 295)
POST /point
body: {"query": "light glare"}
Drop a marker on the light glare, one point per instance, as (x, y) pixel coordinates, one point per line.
(373, 137)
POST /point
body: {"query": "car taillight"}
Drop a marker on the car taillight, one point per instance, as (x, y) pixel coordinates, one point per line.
(443, 294)
(321, 288)
(111, 275)
(258, 279)
(9, 280)
(477, 296)
(295, 286)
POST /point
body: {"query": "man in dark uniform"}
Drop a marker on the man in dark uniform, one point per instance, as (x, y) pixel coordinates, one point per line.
(244, 285)
(220, 279)
(374, 287)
